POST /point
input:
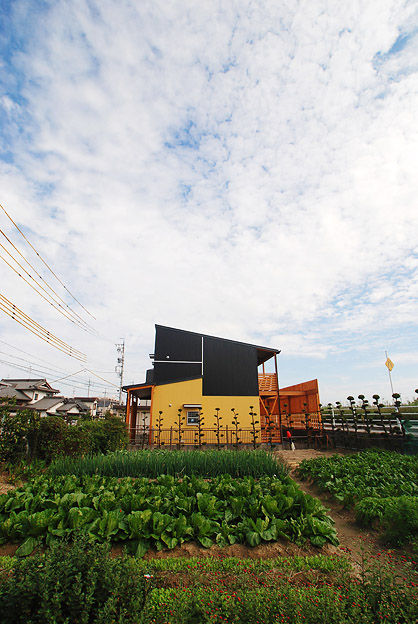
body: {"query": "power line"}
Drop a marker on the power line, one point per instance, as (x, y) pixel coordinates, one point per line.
(56, 369)
(52, 303)
(45, 263)
(47, 370)
(72, 384)
(26, 321)
(98, 376)
(40, 277)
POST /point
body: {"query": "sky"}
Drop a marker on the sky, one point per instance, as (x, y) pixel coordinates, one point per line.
(245, 169)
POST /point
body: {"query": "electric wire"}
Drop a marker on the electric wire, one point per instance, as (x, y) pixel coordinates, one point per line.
(62, 311)
(72, 384)
(45, 263)
(55, 369)
(26, 321)
(47, 370)
(102, 378)
(39, 359)
(73, 312)
(42, 333)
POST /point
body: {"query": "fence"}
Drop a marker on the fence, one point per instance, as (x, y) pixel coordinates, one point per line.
(332, 428)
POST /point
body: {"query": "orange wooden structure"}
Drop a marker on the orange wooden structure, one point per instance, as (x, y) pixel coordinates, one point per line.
(293, 407)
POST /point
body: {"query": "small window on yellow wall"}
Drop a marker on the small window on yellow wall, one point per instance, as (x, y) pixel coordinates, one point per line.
(192, 418)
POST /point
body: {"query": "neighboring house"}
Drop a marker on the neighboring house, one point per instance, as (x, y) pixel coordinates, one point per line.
(33, 389)
(9, 392)
(111, 406)
(91, 403)
(196, 373)
(47, 406)
(72, 409)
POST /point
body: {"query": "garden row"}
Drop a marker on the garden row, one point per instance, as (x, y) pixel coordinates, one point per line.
(381, 485)
(154, 463)
(80, 582)
(163, 513)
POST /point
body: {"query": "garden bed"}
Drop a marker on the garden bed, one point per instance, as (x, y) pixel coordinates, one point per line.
(163, 513)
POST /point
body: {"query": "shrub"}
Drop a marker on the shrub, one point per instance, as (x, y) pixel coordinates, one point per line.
(106, 435)
(19, 430)
(52, 430)
(76, 441)
(72, 583)
(400, 521)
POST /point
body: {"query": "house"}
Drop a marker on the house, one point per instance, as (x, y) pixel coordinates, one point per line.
(9, 392)
(47, 406)
(111, 406)
(91, 403)
(196, 374)
(70, 409)
(26, 390)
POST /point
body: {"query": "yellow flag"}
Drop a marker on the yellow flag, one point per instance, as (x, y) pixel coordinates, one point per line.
(389, 364)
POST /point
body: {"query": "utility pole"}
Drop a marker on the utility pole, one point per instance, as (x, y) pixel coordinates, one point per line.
(88, 388)
(120, 348)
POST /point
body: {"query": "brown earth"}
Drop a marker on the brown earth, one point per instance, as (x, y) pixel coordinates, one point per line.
(5, 487)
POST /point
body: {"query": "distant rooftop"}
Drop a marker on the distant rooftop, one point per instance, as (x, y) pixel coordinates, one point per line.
(30, 384)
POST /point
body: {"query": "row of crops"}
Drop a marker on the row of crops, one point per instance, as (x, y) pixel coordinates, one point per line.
(153, 463)
(381, 485)
(163, 513)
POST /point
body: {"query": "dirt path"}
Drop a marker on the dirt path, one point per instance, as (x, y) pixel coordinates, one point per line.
(362, 546)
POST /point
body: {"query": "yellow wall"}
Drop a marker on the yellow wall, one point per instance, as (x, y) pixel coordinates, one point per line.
(170, 397)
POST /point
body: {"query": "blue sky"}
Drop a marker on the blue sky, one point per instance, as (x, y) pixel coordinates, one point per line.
(244, 169)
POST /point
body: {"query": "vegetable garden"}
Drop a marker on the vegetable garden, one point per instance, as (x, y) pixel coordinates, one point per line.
(381, 485)
(68, 516)
(163, 513)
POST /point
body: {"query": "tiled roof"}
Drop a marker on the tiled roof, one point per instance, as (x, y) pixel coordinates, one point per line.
(82, 407)
(46, 403)
(6, 392)
(30, 384)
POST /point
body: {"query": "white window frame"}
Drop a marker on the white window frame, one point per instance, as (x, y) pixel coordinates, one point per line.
(192, 414)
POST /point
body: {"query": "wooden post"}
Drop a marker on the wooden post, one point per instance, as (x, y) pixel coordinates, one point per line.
(227, 436)
(128, 414)
(171, 436)
(278, 398)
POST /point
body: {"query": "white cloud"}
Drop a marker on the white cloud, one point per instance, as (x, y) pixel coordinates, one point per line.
(246, 170)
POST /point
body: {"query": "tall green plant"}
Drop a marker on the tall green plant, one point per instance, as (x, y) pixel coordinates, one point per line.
(18, 431)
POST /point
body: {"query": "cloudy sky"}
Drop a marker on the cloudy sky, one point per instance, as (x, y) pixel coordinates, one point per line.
(247, 169)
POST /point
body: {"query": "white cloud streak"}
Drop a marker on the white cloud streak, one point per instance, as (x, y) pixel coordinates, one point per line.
(247, 170)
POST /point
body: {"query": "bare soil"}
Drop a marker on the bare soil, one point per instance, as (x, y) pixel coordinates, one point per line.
(5, 487)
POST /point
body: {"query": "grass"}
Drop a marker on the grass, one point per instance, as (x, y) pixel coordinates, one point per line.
(153, 463)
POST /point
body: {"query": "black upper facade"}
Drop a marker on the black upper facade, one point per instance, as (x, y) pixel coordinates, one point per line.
(228, 367)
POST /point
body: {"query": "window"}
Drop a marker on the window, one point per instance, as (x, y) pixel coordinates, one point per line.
(192, 418)
(35, 396)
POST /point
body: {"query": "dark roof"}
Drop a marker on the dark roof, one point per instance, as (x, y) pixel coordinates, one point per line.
(7, 392)
(30, 384)
(139, 386)
(264, 353)
(46, 403)
(82, 407)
